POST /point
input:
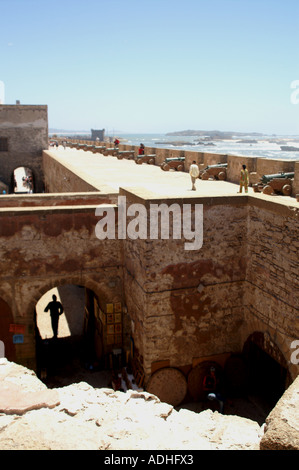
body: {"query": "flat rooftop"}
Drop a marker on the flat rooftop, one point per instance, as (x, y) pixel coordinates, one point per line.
(108, 175)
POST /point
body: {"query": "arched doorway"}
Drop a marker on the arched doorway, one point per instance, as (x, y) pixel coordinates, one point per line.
(268, 375)
(75, 354)
(23, 180)
(6, 332)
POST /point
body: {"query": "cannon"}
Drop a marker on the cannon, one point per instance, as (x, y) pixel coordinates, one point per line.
(217, 172)
(98, 149)
(279, 183)
(126, 154)
(87, 147)
(175, 163)
(70, 144)
(150, 159)
(110, 151)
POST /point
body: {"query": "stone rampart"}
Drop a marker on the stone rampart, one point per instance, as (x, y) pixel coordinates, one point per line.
(244, 278)
(257, 166)
(59, 178)
(57, 199)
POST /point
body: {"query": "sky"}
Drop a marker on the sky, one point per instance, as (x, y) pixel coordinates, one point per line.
(154, 66)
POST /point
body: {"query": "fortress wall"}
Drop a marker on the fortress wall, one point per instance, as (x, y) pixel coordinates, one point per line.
(186, 305)
(43, 248)
(173, 320)
(272, 280)
(214, 158)
(234, 166)
(182, 305)
(60, 179)
(296, 181)
(55, 199)
(257, 166)
(264, 166)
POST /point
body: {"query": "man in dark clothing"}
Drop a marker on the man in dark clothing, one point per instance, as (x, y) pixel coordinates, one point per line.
(56, 309)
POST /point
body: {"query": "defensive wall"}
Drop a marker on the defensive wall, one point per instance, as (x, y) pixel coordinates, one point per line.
(257, 166)
(180, 308)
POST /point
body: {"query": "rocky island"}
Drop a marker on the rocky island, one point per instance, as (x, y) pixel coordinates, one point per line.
(289, 148)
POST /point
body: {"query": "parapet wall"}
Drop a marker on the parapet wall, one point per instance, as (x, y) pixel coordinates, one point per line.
(257, 166)
(60, 179)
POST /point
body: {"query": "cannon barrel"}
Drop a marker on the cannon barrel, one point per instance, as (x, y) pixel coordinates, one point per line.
(174, 159)
(218, 165)
(267, 178)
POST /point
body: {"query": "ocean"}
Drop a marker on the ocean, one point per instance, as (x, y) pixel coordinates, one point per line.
(258, 146)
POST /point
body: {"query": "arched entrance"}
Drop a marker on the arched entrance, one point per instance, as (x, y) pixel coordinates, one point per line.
(268, 375)
(6, 330)
(23, 180)
(76, 354)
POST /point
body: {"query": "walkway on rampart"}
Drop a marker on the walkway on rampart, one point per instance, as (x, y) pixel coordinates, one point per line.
(110, 174)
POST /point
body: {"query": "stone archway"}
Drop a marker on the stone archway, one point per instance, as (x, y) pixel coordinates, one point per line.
(6, 332)
(72, 351)
(23, 180)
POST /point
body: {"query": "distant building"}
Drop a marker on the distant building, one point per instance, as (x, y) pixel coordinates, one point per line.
(98, 134)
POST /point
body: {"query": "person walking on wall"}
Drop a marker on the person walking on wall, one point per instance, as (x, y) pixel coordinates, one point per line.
(244, 179)
(56, 309)
(194, 173)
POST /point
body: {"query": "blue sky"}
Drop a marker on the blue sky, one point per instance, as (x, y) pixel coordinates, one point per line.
(154, 65)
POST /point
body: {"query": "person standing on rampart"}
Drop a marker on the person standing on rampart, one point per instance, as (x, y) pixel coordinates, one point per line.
(141, 150)
(194, 173)
(244, 179)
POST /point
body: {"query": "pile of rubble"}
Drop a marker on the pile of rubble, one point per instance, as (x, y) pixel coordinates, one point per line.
(80, 417)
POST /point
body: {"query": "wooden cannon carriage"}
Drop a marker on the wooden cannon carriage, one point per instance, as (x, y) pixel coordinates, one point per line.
(80, 146)
(110, 151)
(279, 183)
(217, 172)
(87, 148)
(71, 145)
(175, 163)
(128, 154)
(150, 159)
(98, 148)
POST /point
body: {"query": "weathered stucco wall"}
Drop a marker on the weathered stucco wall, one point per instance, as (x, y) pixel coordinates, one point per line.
(181, 305)
(60, 179)
(41, 248)
(26, 128)
(272, 276)
(207, 302)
